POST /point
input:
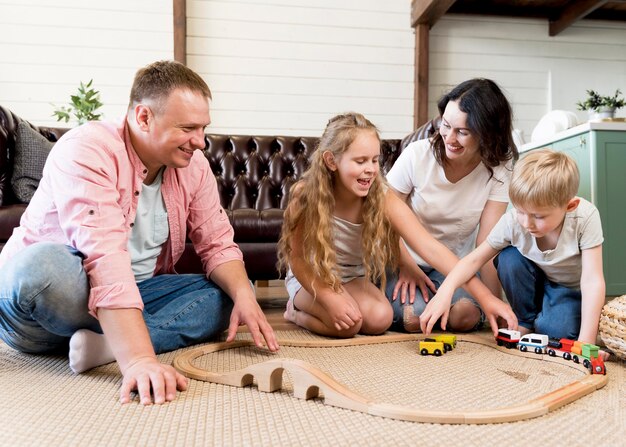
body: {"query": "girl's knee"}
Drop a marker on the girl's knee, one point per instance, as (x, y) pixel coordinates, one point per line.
(351, 331)
(377, 319)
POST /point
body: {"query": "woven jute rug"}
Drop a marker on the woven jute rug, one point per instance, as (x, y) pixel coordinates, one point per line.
(43, 403)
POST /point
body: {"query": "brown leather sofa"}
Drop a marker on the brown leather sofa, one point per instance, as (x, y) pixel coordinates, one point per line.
(254, 174)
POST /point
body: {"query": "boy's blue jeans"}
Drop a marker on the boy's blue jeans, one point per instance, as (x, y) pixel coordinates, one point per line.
(540, 305)
(44, 292)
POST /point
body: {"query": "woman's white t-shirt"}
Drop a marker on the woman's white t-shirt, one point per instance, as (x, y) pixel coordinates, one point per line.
(450, 212)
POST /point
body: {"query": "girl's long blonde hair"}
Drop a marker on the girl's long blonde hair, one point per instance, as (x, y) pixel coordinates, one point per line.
(312, 203)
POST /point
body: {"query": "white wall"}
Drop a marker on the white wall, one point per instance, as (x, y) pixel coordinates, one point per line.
(285, 67)
(48, 47)
(539, 73)
(278, 67)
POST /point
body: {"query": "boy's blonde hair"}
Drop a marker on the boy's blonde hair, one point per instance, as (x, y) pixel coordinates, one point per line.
(312, 203)
(544, 178)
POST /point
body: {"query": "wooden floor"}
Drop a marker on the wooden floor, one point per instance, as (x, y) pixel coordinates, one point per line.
(272, 298)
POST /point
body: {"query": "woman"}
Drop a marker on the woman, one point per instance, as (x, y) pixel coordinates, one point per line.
(456, 183)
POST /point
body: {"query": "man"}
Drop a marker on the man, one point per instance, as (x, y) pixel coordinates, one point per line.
(96, 247)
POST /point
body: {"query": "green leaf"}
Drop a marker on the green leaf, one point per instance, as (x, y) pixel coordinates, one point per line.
(83, 105)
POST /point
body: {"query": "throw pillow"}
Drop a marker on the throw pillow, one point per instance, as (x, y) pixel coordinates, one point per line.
(31, 152)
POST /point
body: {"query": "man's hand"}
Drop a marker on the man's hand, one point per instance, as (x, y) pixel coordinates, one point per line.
(129, 340)
(232, 278)
(247, 311)
(149, 378)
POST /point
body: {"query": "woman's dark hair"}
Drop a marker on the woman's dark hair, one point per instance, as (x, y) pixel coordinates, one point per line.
(489, 117)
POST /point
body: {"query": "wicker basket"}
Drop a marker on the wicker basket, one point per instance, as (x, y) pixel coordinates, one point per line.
(613, 326)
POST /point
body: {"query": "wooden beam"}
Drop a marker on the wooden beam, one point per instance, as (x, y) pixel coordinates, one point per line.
(570, 14)
(424, 14)
(428, 11)
(180, 31)
(420, 101)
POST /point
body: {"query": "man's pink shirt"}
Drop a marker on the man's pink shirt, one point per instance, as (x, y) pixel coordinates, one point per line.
(88, 199)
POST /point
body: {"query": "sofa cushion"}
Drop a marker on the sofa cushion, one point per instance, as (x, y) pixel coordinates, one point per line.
(31, 152)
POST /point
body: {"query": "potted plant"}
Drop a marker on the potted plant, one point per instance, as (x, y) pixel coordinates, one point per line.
(601, 106)
(83, 105)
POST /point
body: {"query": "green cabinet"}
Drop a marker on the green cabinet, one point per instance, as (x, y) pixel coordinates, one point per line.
(599, 148)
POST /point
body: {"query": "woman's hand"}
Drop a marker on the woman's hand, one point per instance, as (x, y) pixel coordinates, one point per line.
(410, 277)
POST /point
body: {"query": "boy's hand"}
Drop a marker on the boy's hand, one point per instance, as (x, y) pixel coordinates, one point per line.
(494, 308)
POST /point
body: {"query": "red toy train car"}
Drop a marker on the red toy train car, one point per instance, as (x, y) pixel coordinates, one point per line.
(578, 351)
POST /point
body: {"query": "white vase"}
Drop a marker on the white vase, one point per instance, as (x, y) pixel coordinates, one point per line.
(601, 113)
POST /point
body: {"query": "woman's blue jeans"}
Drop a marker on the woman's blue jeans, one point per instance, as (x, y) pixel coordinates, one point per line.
(44, 292)
(541, 305)
(419, 304)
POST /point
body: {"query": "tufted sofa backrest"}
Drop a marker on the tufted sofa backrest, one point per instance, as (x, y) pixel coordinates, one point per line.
(253, 172)
(256, 172)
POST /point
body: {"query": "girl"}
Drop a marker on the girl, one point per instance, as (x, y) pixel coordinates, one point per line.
(341, 231)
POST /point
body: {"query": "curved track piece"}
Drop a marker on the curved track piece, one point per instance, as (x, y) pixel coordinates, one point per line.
(309, 382)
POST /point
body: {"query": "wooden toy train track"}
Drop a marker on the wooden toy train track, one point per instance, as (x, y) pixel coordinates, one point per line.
(309, 381)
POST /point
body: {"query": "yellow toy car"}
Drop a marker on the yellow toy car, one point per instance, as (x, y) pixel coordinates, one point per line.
(431, 346)
(448, 340)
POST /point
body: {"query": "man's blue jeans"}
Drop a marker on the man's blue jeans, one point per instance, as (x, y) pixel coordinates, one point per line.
(44, 292)
(541, 305)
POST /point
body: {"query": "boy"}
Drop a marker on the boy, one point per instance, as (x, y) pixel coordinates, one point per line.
(550, 253)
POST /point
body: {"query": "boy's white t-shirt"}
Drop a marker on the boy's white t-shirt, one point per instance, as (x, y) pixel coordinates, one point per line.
(450, 212)
(581, 230)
